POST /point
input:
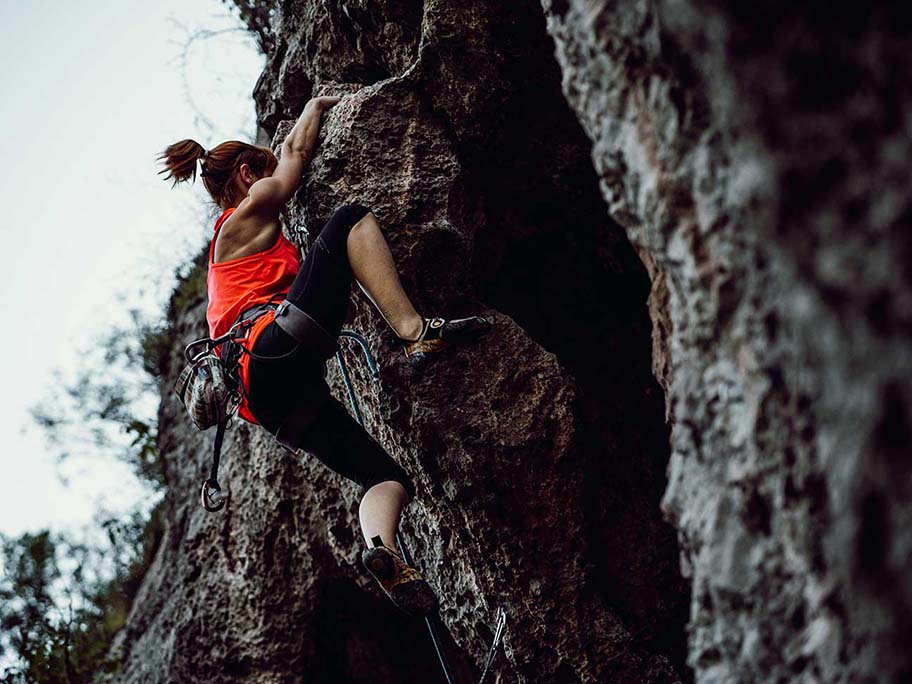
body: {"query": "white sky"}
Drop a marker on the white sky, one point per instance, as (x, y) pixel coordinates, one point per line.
(90, 93)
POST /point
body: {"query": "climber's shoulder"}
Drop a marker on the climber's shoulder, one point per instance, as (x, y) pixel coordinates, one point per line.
(270, 194)
(250, 229)
(265, 198)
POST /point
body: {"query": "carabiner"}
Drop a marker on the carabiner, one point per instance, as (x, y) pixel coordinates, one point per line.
(211, 496)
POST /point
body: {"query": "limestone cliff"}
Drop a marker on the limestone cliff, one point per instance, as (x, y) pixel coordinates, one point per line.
(758, 159)
(691, 227)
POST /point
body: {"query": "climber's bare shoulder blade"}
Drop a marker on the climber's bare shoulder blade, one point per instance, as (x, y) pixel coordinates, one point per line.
(252, 228)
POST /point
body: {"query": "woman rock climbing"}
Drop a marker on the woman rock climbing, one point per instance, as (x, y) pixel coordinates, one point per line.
(252, 267)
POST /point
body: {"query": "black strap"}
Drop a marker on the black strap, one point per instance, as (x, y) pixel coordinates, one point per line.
(217, 453)
(301, 327)
(234, 349)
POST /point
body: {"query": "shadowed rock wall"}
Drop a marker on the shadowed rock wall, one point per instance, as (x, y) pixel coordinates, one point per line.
(757, 156)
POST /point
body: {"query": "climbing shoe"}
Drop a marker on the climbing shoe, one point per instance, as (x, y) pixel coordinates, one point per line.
(403, 584)
(436, 332)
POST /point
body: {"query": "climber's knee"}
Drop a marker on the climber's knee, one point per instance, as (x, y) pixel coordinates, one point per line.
(394, 474)
(388, 485)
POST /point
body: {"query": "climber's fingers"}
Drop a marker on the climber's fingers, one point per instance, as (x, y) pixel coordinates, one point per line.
(326, 101)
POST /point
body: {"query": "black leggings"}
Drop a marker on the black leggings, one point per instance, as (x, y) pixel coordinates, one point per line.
(289, 396)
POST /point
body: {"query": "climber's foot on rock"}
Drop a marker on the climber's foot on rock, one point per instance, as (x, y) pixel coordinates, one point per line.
(437, 332)
(402, 583)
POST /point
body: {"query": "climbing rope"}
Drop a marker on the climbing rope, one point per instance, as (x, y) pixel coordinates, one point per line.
(431, 620)
(403, 550)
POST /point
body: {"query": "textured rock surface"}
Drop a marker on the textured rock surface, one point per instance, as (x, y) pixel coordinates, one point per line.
(539, 453)
(757, 161)
(758, 158)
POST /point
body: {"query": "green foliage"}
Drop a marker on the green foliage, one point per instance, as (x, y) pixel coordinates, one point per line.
(30, 570)
(106, 408)
(144, 454)
(191, 286)
(258, 16)
(61, 603)
(156, 343)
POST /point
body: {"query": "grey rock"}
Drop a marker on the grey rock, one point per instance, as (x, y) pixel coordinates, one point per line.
(753, 156)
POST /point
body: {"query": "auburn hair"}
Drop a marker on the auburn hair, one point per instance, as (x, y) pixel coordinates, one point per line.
(219, 166)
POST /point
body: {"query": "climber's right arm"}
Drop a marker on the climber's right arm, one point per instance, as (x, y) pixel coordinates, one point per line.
(270, 194)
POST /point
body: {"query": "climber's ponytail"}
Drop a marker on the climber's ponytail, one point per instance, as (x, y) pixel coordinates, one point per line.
(218, 167)
(180, 160)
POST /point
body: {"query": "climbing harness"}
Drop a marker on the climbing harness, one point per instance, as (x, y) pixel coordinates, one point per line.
(432, 621)
(304, 329)
(210, 390)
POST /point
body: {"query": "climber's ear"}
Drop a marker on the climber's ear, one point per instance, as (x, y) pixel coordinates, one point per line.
(246, 174)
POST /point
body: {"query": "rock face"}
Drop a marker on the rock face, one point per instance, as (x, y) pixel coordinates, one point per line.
(727, 287)
(758, 159)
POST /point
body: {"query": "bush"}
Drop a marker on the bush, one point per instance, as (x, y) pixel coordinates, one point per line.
(61, 603)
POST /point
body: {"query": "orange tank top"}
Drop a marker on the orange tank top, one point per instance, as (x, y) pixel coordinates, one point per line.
(236, 285)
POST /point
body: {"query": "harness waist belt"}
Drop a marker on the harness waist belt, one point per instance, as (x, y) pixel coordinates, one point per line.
(231, 350)
(255, 312)
(293, 320)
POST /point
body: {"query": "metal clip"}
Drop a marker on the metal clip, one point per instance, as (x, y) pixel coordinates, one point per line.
(498, 635)
(211, 497)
